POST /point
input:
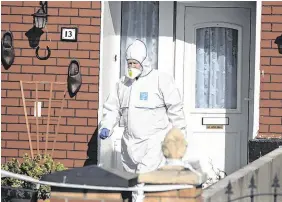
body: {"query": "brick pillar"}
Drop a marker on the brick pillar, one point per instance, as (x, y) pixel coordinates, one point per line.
(184, 195)
(96, 195)
(271, 65)
(270, 120)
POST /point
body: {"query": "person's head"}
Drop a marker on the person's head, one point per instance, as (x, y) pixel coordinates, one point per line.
(133, 64)
(135, 55)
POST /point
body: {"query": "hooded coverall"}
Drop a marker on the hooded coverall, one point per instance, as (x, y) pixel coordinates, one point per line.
(147, 107)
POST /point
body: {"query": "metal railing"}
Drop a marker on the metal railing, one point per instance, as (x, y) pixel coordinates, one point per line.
(274, 195)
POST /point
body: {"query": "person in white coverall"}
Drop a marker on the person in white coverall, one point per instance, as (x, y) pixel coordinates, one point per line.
(148, 104)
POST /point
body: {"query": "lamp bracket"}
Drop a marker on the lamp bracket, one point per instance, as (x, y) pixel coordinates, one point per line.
(44, 6)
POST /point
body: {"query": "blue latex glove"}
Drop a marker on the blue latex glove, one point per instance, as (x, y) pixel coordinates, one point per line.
(105, 133)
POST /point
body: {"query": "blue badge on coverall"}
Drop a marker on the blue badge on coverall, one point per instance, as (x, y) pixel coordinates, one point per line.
(143, 95)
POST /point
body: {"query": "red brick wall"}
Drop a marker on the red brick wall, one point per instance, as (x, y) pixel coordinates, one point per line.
(79, 120)
(271, 64)
(184, 195)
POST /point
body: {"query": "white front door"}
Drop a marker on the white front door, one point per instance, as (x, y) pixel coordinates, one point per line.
(213, 75)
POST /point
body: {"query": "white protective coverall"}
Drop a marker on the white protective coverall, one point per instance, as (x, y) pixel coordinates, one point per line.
(147, 107)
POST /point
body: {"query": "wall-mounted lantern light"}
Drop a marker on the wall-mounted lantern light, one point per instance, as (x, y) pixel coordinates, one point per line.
(41, 16)
(278, 41)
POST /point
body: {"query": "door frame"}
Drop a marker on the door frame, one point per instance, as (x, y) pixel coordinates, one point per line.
(168, 51)
(108, 78)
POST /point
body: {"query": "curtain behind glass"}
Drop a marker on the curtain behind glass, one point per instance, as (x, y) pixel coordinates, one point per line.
(216, 77)
(140, 20)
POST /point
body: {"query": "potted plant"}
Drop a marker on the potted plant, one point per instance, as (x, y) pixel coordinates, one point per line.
(18, 190)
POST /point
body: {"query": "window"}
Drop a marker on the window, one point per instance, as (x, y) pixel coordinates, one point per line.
(140, 20)
(216, 67)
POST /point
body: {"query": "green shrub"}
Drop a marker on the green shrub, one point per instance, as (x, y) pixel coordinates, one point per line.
(37, 167)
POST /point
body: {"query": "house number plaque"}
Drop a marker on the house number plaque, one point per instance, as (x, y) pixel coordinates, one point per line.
(214, 126)
(69, 34)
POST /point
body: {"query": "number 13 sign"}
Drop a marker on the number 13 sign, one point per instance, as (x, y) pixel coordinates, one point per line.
(69, 34)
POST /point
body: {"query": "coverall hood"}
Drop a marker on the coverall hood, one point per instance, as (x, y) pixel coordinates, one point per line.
(138, 51)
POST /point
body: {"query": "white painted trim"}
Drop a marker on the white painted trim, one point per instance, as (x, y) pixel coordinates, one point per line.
(109, 69)
(100, 93)
(252, 72)
(257, 70)
(166, 44)
(180, 48)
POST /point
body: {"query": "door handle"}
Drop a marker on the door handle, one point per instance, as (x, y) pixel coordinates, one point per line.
(247, 99)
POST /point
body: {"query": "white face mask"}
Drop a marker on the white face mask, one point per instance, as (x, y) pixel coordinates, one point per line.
(133, 72)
